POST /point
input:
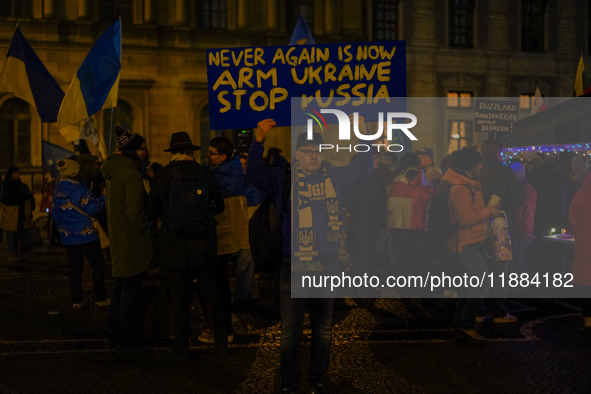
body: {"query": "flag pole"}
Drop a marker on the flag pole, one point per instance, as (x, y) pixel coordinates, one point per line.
(112, 109)
(110, 134)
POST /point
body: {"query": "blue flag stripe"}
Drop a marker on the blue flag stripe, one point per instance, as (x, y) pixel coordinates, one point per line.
(100, 69)
(47, 93)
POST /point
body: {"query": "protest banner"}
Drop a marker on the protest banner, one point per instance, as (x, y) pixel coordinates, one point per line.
(247, 85)
(495, 116)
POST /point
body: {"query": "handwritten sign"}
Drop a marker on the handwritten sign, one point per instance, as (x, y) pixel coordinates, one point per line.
(495, 116)
(247, 85)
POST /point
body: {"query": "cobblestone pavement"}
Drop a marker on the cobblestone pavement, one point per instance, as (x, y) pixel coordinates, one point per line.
(379, 346)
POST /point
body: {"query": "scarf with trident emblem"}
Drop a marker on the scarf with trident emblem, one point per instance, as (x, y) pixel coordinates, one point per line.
(307, 252)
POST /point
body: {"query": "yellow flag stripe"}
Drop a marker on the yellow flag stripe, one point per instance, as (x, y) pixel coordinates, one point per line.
(15, 79)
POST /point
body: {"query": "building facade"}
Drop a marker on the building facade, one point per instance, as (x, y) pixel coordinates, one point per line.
(455, 48)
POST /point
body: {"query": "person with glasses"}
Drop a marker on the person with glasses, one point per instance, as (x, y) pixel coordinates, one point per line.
(314, 206)
(232, 227)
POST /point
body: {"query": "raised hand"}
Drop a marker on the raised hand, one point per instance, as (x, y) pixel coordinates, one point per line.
(263, 127)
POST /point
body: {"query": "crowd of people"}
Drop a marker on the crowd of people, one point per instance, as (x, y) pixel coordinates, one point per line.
(187, 220)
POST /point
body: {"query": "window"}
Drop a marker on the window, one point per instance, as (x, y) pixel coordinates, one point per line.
(525, 100)
(385, 20)
(532, 25)
(460, 135)
(15, 8)
(459, 99)
(212, 14)
(121, 116)
(461, 14)
(15, 133)
(305, 8)
(110, 10)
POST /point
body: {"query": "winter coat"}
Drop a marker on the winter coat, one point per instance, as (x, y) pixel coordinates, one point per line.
(408, 203)
(367, 205)
(500, 180)
(75, 228)
(467, 211)
(131, 234)
(16, 205)
(232, 229)
(175, 252)
(271, 182)
(580, 226)
(580, 171)
(523, 216)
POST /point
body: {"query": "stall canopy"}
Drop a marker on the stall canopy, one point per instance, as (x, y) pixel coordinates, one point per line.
(562, 124)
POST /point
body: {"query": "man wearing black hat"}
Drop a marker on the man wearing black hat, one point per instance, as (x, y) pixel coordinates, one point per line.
(192, 253)
(316, 218)
(131, 236)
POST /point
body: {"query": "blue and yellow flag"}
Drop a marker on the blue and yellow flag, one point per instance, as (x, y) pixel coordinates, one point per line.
(301, 34)
(95, 85)
(25, 75)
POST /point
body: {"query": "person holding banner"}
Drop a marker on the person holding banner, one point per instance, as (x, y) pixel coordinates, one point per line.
(329, 185)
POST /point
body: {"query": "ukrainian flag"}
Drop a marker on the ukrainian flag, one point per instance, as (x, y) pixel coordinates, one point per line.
(95, 85)
(25, 75)
(301, 34)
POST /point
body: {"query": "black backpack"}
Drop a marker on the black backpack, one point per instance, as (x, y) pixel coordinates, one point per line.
(190, 205)
(264, 231)
(439, 226)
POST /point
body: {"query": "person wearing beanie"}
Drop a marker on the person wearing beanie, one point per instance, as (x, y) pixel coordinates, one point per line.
(132, 236)
(467, 210)
(16, 206)
(127, 140)
(523, 222)
(74, 206)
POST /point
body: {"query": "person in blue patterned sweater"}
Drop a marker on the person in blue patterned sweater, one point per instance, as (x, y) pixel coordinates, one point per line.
(73, 206)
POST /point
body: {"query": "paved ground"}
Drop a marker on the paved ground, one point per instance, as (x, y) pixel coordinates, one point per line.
(379, 346)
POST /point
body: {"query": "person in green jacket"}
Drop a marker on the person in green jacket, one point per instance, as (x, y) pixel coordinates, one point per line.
(132, 237)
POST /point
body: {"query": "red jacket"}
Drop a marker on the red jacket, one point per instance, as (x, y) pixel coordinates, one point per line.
(579, 217)
(408, 203)
(523, 216)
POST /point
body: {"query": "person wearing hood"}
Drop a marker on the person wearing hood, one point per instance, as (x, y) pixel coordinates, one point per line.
(580, 171)
(73, 208)
(16, 206)
(467, 211)
(579, 217)
(132, 237)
